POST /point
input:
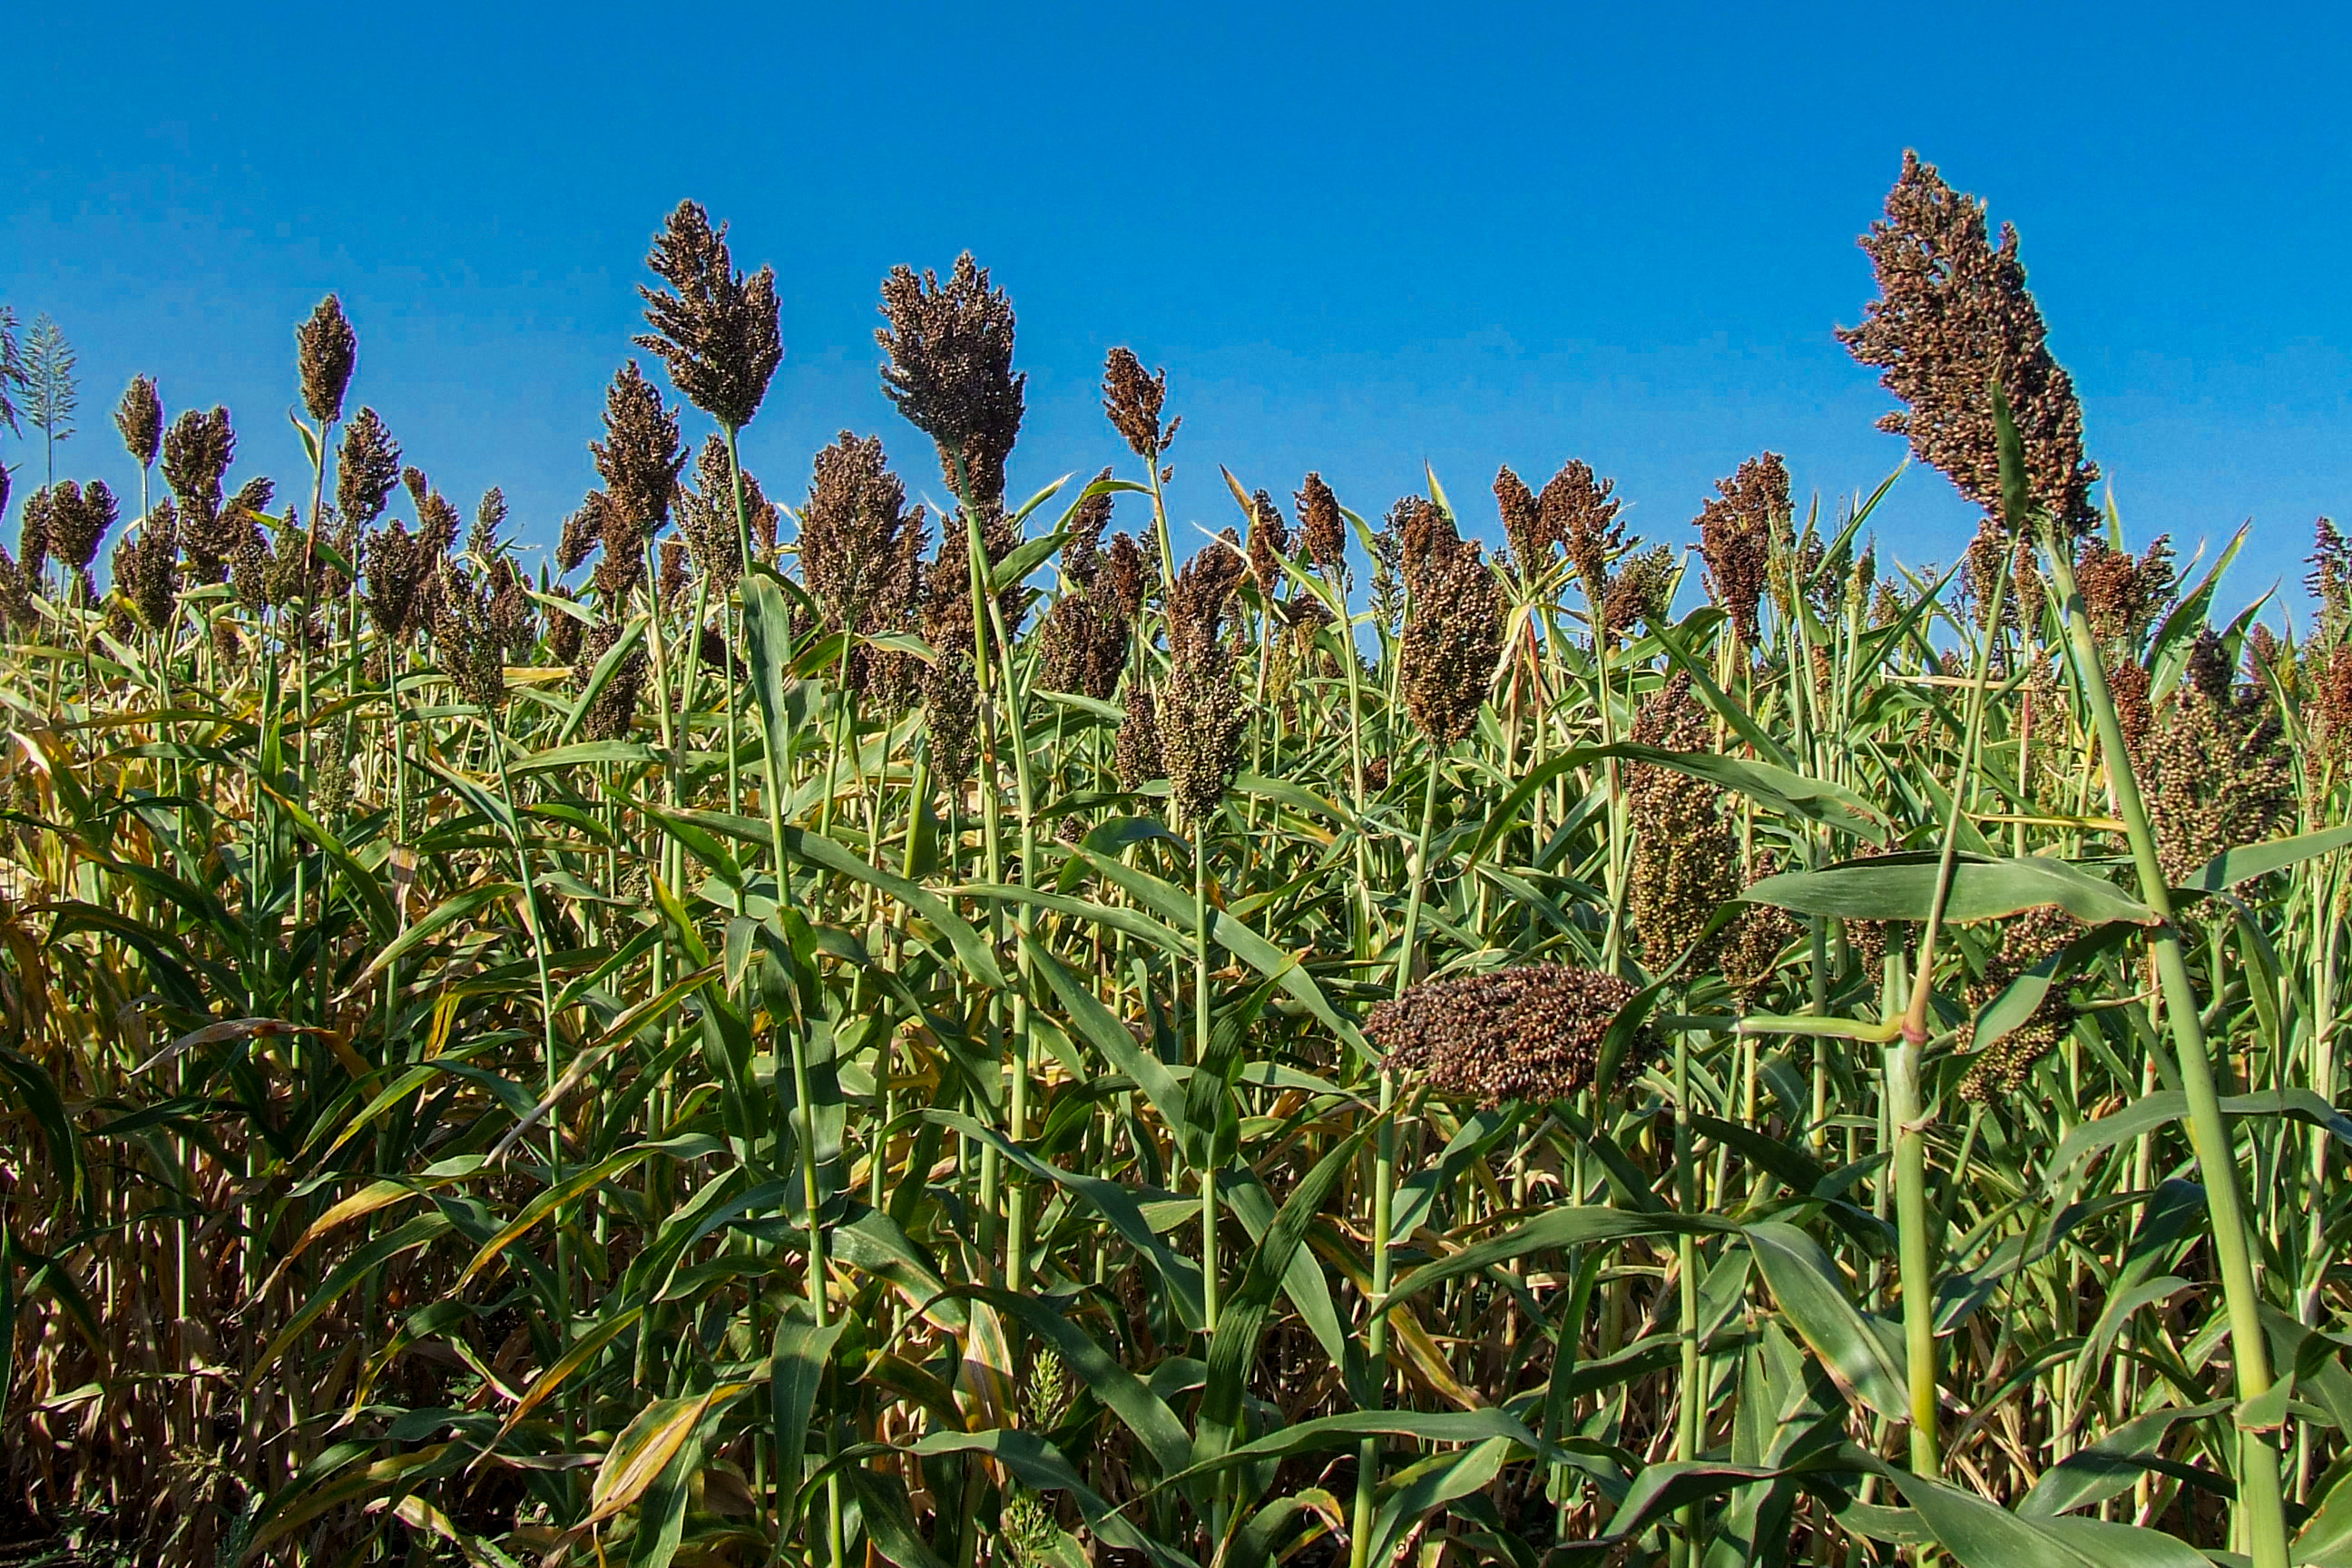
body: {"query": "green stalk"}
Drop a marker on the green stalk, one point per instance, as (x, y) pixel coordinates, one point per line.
(1368, 1456)
(2260, 1512)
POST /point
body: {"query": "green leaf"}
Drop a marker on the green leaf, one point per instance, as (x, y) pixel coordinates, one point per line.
(2249, 861)
(1902, 887)
(1570, 1225)
(1981, 1534)
(797, 1366)
(1814, 1298)
(2165, 1105)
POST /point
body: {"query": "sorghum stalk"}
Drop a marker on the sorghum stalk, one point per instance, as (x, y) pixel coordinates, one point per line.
(1368, 1456)
(2260, 1513)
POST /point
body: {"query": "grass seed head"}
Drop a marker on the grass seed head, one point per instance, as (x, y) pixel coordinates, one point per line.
(639, 460)
(1522, 518)
(713, 327)
(326, 349)
(147, 567)
(1454, 626)
(952, 717)
(2124, 596)
(1322, 529)
(1686, 863)
(1269, 541)
(197, 450)
(1133, 400)
(140, 418)
(949, 370)
(1532, 1032)
(1736, 532)
(1135, 750)
(1578, 511)
(1952, 316)
(367, 466)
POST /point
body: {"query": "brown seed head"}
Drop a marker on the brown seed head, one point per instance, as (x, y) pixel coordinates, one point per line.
(860, 549)
(1643, 591)
(1322, 529)
(2125, 597)
(1685, 856)
(1522, 523)
(36, 528)
(949, 370)
(197, 451)
(80, 517)
(1269, 541)
(2331, 580)
(140, 417)
(2216, 768)
(326, 350)
(705, 515)
(1135, 751)
(1197, 707)
(1124, 580)
(638, 459)
(1533, 1033)
(393, 563)
(1453, 628)
(1082, 556)
(489, 516)
(951, 716)
(1082, 646)
(366, 467)
(714, 328)
(1133, 400)
(1952, 316)
(1736, 532)
(146, 567)
(1578, 511)
(467, 644)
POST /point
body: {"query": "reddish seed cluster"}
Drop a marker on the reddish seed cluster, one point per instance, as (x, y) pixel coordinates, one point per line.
(1533, 1033)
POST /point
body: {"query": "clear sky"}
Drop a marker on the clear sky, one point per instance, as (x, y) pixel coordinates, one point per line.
(1360, 237)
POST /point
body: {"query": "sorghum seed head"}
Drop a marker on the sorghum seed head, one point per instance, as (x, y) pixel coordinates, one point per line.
(949, 372)
(1269, 541)
(2124, 596)
(1135, 750)
(1642, 591)
(1133, 400)
(146, 567)
(1082, 557)
(326, 350)
(639, 460)
(951, 716)
(1686, 862)
(489, 516)
(1322, 529)
(1123, 582)
(1953, 316)
(393, 563)
(1578, 511)
(1522, 523)
(1736, 532)
(367, 466)
(2331, 580)
(140, 417)
(713, 327)
(197, 450)
(1453, 628)
(1534, 1033)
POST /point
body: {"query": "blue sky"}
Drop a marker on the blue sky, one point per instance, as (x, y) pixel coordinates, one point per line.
(1360, 238)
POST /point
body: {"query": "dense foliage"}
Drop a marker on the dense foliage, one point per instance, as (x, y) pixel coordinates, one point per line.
(1026, 1052)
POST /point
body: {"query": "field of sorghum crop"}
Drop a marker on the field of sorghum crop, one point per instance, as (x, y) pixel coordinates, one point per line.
(819, 1033)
